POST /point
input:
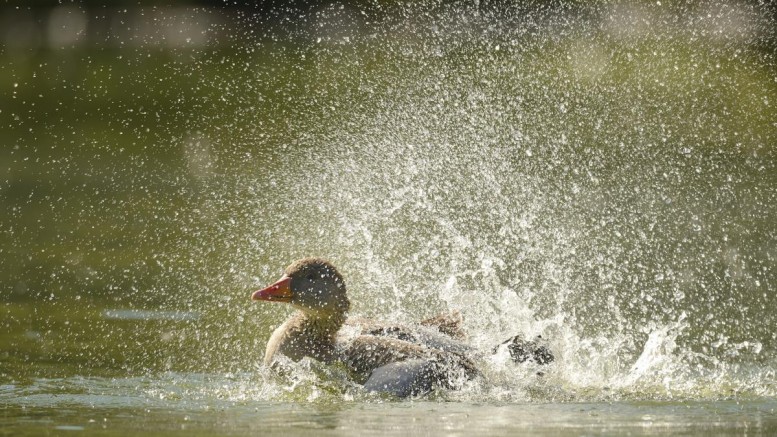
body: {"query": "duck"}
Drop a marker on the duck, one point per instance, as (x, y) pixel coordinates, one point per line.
(384, 357)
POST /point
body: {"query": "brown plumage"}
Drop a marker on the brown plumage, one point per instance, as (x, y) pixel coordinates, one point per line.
(400, 359)
(317, 290)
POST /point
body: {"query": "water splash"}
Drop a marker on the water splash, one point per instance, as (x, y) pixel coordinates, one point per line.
(550, 172)
(541, 177)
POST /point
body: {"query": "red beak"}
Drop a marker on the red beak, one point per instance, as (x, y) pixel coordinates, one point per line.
(277, 292)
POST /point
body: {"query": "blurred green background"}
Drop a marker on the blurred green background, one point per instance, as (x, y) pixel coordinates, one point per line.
(610, 163)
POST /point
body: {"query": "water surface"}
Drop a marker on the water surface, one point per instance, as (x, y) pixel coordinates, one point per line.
(209, 405)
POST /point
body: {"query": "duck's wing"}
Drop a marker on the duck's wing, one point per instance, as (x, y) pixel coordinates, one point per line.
(522, 350)
(366, 353)
(428, 335)
(449, 324)
(434, 338)
(406, 378)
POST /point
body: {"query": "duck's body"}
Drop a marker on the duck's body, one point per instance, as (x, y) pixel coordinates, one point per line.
(362, 345)
(385, 357)
(303, 336)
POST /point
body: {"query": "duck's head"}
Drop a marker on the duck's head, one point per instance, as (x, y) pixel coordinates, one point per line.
(312, 285)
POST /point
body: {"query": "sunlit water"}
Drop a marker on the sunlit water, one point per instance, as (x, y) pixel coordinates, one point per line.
(604, 177)
(232, 405)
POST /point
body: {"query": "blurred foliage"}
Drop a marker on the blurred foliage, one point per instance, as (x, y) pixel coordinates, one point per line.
(620, 180)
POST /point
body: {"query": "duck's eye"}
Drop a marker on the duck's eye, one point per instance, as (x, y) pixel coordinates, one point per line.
(311, 277)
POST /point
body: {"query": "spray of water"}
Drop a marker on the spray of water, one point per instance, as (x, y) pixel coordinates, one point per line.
(608, 187)
(602, 176)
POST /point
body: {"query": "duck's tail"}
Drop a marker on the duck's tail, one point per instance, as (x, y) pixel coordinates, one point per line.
(522, 350)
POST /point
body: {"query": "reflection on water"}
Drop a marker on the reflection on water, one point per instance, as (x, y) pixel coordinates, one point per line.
(138, 409)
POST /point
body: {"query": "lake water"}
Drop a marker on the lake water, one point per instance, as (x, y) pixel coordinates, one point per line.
(197, 404)
(602, 175)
